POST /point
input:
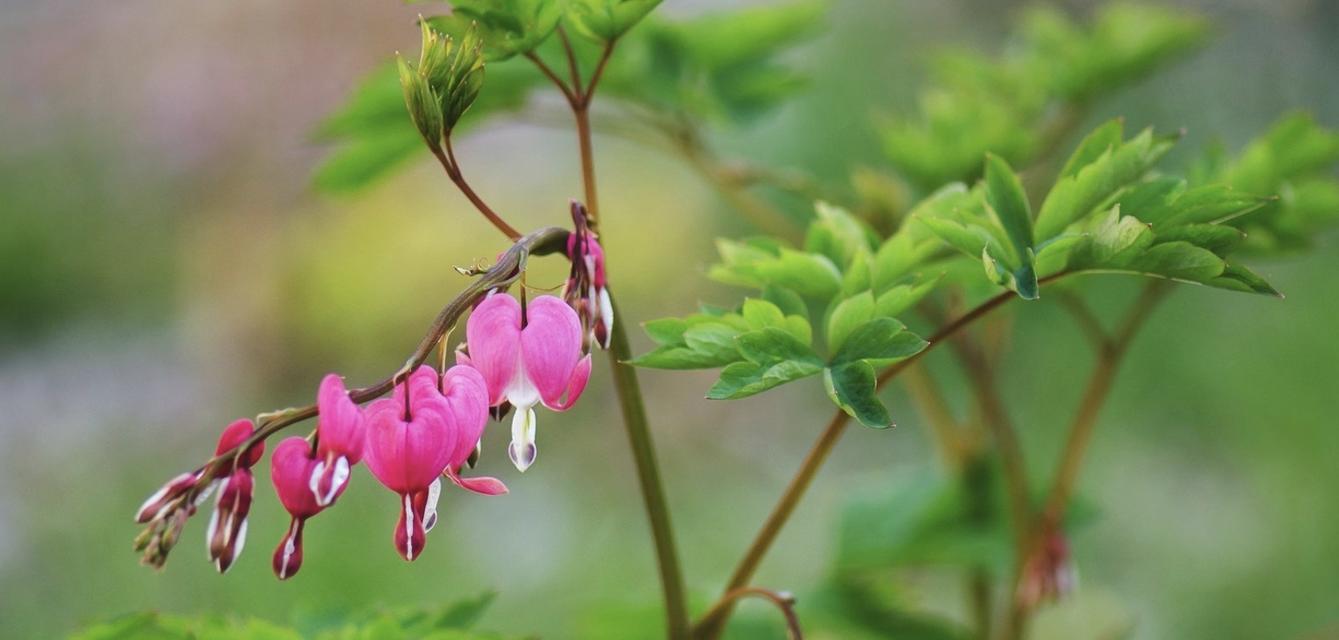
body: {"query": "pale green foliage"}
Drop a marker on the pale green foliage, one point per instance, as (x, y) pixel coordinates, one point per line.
(1010, 104)
(1294, 160)
(853, 283)
(607, 20)
(454, 621)
(506, 27)
(1103, 214)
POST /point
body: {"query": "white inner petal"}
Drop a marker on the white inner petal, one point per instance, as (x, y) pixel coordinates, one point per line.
(408, 528)
(430, 512)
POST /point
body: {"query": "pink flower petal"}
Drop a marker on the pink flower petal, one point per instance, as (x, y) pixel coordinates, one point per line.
(482, 485)
(339, 421)
(407, 456)
(233, 436)
(550, 346)
(466, 393)
(291, 469)
(575, 386)
(493, 335)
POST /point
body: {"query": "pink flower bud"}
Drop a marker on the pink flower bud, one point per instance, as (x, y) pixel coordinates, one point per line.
(587, 284)
(233, 436)
(160, 499)
(1048, 573)
(340, 436)
(540, 362)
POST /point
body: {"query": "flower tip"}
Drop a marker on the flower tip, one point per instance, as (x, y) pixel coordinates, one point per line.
(522, 455)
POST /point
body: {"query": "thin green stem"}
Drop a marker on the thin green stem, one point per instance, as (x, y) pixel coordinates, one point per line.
(625, 376)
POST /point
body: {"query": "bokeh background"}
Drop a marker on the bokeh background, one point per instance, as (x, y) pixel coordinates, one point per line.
(165, 266)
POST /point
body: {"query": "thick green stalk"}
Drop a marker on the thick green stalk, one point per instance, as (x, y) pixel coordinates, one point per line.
(648, 477)
(624, 375)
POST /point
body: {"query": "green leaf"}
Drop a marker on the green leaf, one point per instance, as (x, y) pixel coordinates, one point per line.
(880, 342)
(811, 275)
(836, 234)
(1005, 196)
(743, 379)
(1093, 146)
(606, 20)
(1076, 196)
(506, 27)
(701, 345)
(898, 299)
(376, 135)
(788, 301)
(846, 316)
(852, 387)
(1239, 278)
(773, 345)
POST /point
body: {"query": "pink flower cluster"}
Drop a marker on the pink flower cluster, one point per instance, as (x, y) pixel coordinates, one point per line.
(428, 429)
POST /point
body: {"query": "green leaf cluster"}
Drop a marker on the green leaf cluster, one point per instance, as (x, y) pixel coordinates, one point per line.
(1295, 159)
(1105, 213)
(720, 66)
(455, 621)
(1015, 104)
(855, 286)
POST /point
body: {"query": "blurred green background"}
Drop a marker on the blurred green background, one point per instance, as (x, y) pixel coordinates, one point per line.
(165, 267)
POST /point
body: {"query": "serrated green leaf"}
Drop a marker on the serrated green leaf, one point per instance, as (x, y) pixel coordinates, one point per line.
(846, 316)
(836, 234)
(743, 379)
(852, 387)
(879, 342)
(1004, 195)
(788, 301)
(1074, 197)
(607, 20)
(1099, 141)
(898, 299)
(506, 27)
(1239, 278)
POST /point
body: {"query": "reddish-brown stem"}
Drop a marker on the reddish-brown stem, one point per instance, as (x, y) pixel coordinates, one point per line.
(783, 601)
(571, 55)
(1110, 352)
(553, 77)
(448, 161)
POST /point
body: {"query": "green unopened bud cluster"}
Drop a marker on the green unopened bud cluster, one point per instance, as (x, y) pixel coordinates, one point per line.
(445, 82)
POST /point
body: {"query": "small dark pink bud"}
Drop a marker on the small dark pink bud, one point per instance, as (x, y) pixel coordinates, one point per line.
(227, 525)
(587, 284)
(1048, 573)
(234, 436)
(410, 532)
(170, 491)
(288, 555)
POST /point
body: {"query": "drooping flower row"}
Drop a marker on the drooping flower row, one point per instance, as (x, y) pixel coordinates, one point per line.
(516, 356)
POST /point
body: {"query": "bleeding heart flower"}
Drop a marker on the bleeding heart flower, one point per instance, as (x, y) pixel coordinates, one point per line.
(586, 289)
(340, 436)
(527, 359)
(291, 469)
(411, 439)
